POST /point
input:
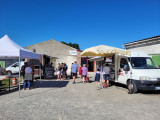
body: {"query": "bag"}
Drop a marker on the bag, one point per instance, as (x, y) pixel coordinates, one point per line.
(28, 76)
(87, 79)
(105, 85)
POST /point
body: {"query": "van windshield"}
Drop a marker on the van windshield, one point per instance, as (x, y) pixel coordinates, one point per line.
(143, 63)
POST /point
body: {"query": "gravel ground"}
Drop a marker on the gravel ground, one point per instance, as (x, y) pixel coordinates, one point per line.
(61, 100)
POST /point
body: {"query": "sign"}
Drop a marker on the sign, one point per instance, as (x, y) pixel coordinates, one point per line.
(73, 52)
(48, 72)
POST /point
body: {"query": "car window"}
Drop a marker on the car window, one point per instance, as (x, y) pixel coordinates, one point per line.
(15, 65)
(123, 62)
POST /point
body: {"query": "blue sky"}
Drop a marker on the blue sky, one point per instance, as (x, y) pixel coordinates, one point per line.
(86, 22)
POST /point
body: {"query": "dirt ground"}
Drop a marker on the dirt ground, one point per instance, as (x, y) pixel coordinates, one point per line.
(62, 100)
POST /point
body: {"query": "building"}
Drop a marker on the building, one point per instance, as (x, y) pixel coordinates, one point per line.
(151, 46)
(58, 52)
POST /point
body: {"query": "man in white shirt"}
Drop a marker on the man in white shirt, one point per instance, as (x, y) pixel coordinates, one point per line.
(106, 71)
(28, 70)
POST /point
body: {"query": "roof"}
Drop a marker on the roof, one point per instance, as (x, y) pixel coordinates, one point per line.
(49, 41)
(145, 41)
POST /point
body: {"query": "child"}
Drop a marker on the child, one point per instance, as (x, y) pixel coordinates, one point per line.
(97, 77)
(84, 72)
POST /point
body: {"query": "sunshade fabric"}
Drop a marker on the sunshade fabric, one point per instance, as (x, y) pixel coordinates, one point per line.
(103, 50)
(9, 49)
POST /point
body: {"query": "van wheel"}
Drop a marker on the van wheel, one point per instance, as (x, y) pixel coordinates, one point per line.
(131, 87)
(8, 73)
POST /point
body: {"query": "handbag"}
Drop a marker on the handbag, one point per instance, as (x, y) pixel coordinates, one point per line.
(87, 79)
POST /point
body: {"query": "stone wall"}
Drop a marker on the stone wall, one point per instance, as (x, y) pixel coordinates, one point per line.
(54, 48)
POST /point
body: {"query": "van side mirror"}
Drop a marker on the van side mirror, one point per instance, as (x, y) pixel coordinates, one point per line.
(126, 68)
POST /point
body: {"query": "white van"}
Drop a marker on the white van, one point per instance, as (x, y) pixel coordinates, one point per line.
(138, 72)
(14, 68)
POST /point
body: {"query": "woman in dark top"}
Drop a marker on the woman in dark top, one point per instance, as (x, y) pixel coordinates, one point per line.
(97, 77)
(63, 70)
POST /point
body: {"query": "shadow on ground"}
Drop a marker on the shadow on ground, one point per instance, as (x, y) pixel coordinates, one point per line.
(6, 91)
(118, 85)
(37, 84)
(49, 84)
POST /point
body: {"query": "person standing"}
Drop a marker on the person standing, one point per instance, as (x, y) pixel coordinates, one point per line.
(74, 68)
(71, 76)
(23, 69)
(66, 70)
(97, 76)
(28, 70)
(2, 70)
(80, 71)
(58, 71)
(32, 66)
(84, 72)
(106, 71)
(63, 71)
(101, 68)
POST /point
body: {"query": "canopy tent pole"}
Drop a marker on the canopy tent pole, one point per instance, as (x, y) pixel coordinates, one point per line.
(101, 74)
(42, 67)
(19, 72)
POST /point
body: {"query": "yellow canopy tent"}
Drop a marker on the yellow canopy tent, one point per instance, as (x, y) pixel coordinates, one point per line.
(103, 50)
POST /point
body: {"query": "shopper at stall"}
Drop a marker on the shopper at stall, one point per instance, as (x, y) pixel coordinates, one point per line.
(58, 71)
(84, 72)
(101, 68)
(80, 71)
(2, 70)
(106, 71)
(63, 70)
(23, 69)
(65, 65)
(71, 76)
(28, 70)
(74, 68)
(32, 66)
(97, 77)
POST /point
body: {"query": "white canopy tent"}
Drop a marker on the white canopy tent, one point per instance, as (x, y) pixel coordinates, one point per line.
(10, 50)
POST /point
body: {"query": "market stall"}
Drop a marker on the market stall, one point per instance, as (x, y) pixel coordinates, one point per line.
(101, 52)
(11, 50)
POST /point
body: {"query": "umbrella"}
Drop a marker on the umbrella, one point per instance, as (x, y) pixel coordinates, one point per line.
(103, 50)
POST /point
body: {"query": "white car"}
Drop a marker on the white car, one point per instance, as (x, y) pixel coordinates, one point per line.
(14, 68)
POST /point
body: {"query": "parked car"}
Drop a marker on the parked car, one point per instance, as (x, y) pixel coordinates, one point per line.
(14, 68)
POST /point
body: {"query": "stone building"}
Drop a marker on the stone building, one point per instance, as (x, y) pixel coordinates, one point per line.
(63, 53)
(151, 46)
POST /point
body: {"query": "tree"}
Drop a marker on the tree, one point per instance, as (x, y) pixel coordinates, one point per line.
(74, 45)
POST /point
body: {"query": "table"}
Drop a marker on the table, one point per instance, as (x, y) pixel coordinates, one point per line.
(4, 77)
